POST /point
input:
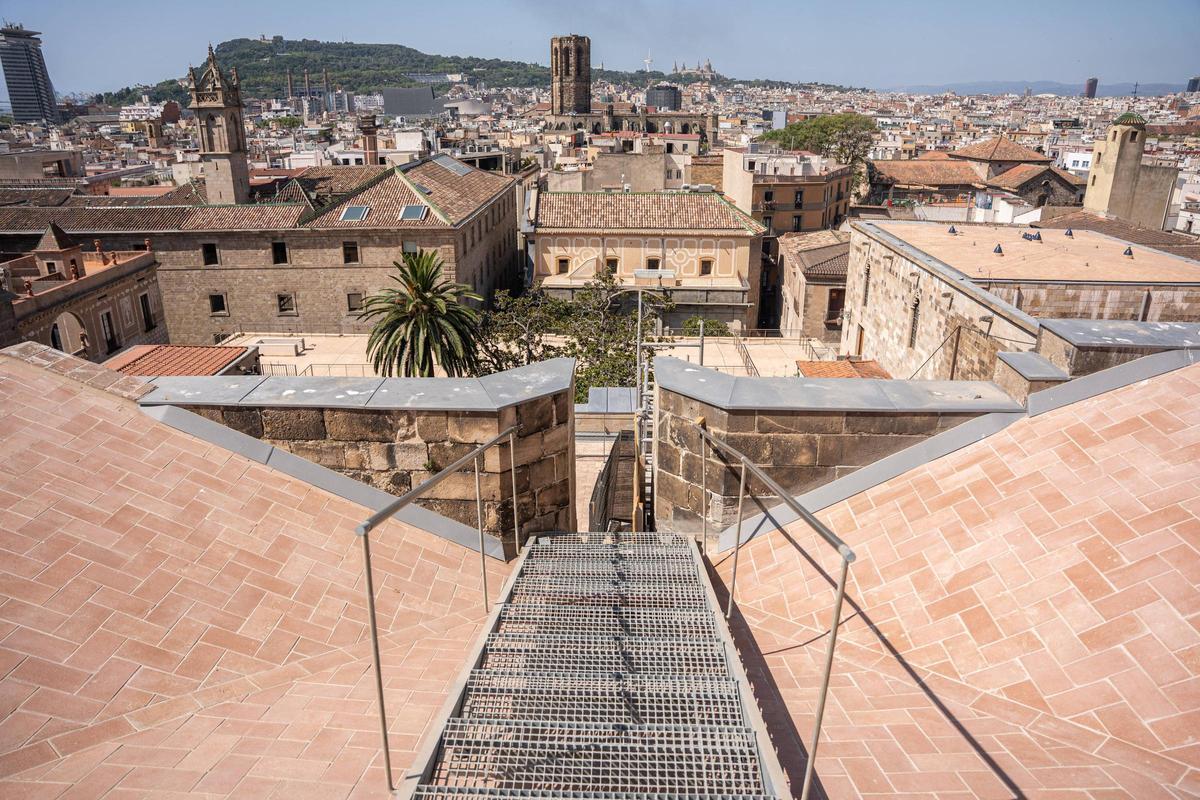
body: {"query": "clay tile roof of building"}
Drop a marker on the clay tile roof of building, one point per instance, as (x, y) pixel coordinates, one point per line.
(999, 149)
(823, 254)
(933, 155)
(842, 369)
(179, 620)
(1022, 619)
(673, 211)
(1022, 174)
(927, 172)
(160, 360)
(55, 238)
(1178, 243)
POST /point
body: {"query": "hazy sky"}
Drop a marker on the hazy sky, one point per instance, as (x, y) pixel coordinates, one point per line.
(107, 44)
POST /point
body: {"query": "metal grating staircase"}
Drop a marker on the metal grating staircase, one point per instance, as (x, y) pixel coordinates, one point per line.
(607, 672)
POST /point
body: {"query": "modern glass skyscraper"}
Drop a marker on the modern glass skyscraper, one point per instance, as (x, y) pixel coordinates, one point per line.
(29, 87)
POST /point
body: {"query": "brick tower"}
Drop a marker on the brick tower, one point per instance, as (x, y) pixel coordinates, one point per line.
(571, 75)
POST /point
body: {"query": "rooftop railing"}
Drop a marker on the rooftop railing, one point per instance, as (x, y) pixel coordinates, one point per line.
(830, 538)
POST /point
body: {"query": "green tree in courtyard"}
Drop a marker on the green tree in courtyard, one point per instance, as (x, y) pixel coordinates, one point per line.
(846, 138)
(521, 330)
(422, 323)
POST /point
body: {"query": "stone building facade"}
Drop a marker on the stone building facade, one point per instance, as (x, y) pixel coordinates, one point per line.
(571, 74)
(927, 303)
(1120, 185)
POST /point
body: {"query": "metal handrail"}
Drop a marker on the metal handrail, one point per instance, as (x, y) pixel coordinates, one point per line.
(370, 523)
(831, 538)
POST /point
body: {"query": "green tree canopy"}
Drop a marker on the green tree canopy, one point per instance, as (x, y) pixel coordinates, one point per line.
(846, 138)
(423, 323)
(521, 330)
(712, 327)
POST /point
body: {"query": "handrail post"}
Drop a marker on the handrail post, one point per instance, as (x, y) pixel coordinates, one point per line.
(512, 464)
(810, 767)
(704, 500)
(482, 555)
(737, 546)
(383, 728)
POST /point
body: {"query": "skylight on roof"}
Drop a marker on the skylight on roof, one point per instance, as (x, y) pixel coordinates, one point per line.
(413, 213)
(354, 213)
(449, 163)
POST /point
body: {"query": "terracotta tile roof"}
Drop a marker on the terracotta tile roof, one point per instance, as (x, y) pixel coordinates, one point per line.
(927, 172)
(19, 196)
(999, 149)
(179, 619)
(54, 239)
(153, 219)
(174, 359)
(842, 369)
(667, 211)
(1023, 614)
(1022, 174)
(823, 254)
(1178, 243)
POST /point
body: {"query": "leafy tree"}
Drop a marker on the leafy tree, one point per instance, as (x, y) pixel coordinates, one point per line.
(846, 138)
(521, 330)
(712, 327)
(423, 323)
(289, 123)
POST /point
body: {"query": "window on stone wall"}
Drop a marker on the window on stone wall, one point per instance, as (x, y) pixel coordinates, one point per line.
(410, 247)
(279, 253)
(914, 322)
(564, 265)
(866, 284)
(354, 301)
(285, 304)
(217, 305)
(706, 266)
(652, 263)
(209, 253)
(833, 311)
(349, 252)
(611, 265)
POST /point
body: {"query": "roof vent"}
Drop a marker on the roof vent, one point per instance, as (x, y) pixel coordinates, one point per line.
(1032, 237)
(998, 250)
(1128, 252)
(1070, 233)
(952, 231)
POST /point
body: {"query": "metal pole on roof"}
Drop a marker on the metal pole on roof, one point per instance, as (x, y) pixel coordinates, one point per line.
(512, 463)
(810, 767)
(482, 556)
(387, 756)
(737, 545)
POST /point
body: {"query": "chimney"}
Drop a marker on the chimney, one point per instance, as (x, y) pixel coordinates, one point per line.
(369, 130)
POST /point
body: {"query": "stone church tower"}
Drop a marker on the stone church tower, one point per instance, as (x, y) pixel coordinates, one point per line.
(570, 75)
(217, 101)
(1120, 185)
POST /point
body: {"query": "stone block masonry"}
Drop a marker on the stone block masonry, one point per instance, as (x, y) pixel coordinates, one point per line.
(803, 432)
(395, 433)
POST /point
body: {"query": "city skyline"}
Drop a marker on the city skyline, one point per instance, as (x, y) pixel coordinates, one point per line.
(1117, 42)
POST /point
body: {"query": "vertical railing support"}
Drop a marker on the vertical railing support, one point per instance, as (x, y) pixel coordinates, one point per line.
(383, 728)
(482, 555)
(737, 544)
(512, 464)
(835, 623)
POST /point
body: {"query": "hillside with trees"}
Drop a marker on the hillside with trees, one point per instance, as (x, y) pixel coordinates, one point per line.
(362, 68)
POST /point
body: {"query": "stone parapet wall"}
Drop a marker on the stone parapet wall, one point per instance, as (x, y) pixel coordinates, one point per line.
(396, 448)
(803, 432)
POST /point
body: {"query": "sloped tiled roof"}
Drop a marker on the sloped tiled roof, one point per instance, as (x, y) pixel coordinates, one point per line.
(1022, 174)
(667, 211)
(1023, 618)
(927, 172)
(824, 254)
(842, 368)
(174, 359)
(177, 618)
(55, 238)
(999, 149)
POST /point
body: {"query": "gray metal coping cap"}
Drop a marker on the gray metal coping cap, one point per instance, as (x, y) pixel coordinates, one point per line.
(1125, 333)
(1033, 366)
(488, 393)
(829, 394)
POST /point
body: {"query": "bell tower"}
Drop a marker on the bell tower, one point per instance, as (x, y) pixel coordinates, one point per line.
(571, 75)
(217, 101)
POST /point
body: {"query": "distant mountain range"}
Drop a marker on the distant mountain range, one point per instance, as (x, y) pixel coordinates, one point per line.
(1038, 87)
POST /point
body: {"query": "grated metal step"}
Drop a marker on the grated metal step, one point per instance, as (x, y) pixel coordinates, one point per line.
(526, 652)
(465, 793)
(608, 620)
(615, 698)
(583, 590)
(625, 758)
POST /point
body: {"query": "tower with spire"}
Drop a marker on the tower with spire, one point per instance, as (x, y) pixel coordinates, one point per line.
(217, 103)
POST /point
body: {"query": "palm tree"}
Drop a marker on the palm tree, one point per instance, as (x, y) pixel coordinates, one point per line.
(422, 323)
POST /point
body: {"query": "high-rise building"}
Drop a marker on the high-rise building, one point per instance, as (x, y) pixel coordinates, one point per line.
(29, 87)
(1089, 88)
(664, 97)
(1194, 84)
(571, 75)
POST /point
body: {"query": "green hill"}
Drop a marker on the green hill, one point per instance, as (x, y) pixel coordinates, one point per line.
(263, 64)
